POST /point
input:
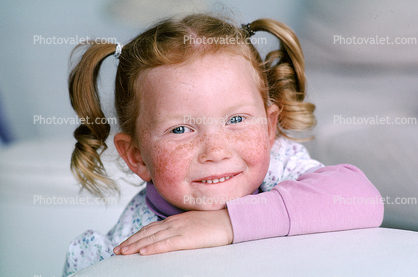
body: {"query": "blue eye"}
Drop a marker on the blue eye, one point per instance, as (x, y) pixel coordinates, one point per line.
(180, 130)
(236, 119)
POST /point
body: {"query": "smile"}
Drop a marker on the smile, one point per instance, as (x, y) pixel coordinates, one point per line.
(214, 181)
(220, 179)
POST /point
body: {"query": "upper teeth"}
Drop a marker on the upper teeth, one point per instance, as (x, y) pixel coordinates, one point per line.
(214, 181)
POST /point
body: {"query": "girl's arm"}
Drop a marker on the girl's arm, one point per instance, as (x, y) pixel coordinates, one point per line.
(332, 198)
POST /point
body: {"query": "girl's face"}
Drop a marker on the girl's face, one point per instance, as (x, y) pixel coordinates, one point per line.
(204, 134)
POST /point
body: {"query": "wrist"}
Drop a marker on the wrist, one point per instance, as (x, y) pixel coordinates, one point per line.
(227, 225)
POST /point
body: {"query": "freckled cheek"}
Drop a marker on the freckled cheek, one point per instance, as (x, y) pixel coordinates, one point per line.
(253, 146)
(170, 164)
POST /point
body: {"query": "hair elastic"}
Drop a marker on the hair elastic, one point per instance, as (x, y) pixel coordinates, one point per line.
(247, 29)
(118, 50)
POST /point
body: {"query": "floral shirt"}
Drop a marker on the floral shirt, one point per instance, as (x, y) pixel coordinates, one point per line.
(288, 160)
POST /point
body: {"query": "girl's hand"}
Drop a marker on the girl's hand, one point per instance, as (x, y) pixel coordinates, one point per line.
(189, 230)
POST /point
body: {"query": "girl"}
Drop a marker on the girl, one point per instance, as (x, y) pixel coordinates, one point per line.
(206, 125)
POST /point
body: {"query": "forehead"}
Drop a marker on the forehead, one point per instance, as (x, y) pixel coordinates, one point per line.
(217, 75)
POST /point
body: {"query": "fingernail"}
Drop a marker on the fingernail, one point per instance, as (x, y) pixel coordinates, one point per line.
(124, 249)
(116, 249)
(143, 250)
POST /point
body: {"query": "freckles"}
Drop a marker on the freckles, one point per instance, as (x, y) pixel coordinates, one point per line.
(253, 144)
(159, 159)
(171, 162)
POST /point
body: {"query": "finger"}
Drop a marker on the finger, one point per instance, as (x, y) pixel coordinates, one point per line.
(166, 245)
(143, 242)
(144, 232)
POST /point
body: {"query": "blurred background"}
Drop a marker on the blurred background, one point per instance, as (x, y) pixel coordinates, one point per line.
(354, 84)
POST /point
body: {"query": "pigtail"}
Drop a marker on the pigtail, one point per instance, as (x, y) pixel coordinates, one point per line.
(91, 135)
(285, 70)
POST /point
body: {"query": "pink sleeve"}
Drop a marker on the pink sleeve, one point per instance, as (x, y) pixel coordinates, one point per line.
(332, 198)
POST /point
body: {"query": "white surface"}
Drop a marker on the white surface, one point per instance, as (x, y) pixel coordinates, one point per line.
(366, 252)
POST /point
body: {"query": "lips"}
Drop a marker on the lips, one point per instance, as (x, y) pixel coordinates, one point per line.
(214, 179)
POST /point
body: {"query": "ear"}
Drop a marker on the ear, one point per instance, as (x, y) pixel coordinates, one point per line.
(272, 118)
(131, 155)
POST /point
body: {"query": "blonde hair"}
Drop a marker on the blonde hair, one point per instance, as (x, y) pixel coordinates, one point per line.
(280, 79)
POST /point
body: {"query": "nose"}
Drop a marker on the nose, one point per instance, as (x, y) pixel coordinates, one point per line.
(214, 149)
